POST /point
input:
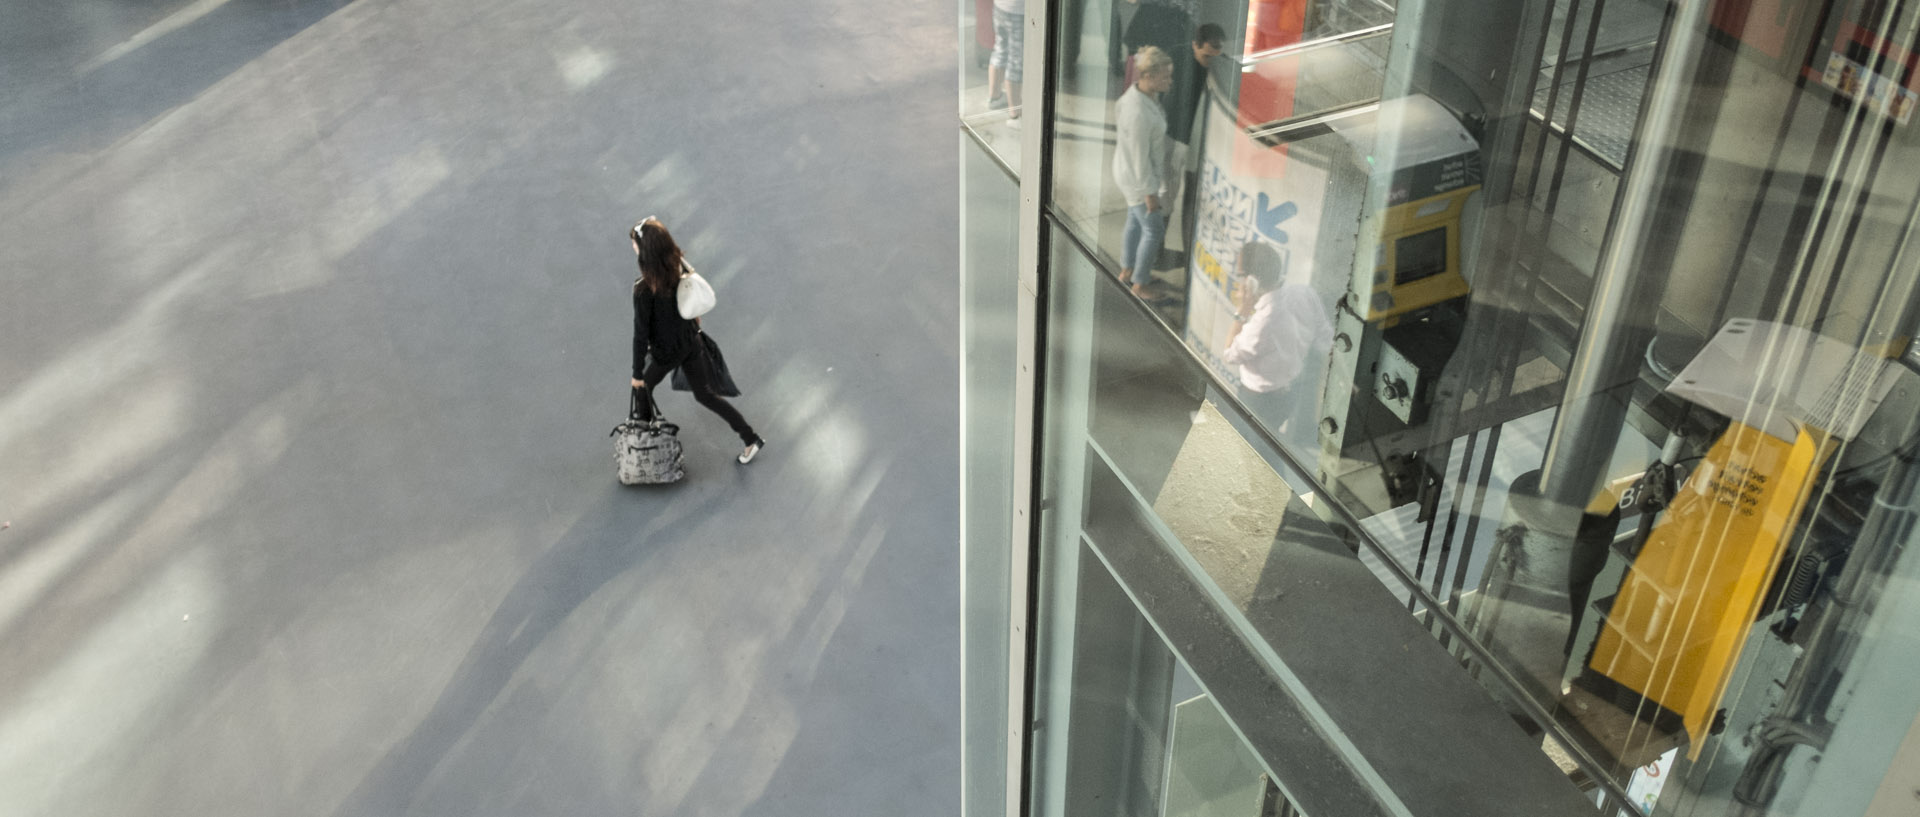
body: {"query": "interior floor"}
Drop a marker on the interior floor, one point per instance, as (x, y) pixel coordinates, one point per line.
(316, 318)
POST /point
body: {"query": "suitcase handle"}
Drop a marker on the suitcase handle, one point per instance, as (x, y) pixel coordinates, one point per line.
(633, 405)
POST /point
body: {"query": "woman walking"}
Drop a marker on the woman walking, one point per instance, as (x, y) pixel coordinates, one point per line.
(672, 340)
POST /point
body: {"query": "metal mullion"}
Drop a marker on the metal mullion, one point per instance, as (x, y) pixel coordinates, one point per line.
(1453, 518)
(1553, 98)
(1473, 522)
(1573, 105)
(1037, 93)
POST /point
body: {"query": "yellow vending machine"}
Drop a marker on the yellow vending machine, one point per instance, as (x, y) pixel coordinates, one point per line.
(1674, 632)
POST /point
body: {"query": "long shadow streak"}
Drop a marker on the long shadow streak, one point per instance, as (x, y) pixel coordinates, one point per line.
(609, 540)
(116, 99)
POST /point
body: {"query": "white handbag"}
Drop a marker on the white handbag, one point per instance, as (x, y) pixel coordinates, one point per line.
(694, 295)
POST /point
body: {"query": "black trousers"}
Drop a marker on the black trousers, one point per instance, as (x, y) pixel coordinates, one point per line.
(694, 362)
(1189, 212)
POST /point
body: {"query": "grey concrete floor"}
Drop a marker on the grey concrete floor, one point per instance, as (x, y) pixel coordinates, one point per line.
(313, 321)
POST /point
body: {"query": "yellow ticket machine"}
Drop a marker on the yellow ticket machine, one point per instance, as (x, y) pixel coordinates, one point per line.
(1434, 169)
(1675, 631)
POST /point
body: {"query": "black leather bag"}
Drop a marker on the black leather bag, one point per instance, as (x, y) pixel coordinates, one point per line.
(717, 374)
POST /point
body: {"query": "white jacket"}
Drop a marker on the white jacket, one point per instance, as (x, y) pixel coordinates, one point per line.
(1288, 329)
(1140, 156)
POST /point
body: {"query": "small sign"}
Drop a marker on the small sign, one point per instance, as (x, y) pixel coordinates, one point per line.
(1877, 92)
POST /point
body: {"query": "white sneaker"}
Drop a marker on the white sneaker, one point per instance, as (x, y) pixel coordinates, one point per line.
(753, 448)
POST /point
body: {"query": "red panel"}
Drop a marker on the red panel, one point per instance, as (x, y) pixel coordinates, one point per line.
(1761, 24)
(1266, 93)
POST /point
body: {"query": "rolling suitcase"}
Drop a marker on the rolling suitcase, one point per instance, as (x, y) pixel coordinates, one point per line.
(646, 452)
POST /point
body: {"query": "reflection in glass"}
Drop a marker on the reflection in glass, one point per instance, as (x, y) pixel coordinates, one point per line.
(988, 287)
(1587, 326)
(1244, 580)
(1210, 772)
(992, 57)
(1281, 326)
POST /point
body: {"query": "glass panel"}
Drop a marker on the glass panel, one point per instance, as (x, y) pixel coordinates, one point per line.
(1584, 320)
(992, 40)
(1189, 140)
(1876, 721)
(988, 285)
(1657, 236)
(1253, 590)
(1095, 118)
(1307, 79)
(1106, 680)
(1122, 674)
(1210, 771)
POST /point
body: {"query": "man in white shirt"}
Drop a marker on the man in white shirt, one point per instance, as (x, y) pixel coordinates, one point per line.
(1280, 329)
(1140, 167)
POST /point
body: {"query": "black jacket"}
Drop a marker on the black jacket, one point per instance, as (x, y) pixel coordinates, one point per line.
(658, 328)
(1182, 101)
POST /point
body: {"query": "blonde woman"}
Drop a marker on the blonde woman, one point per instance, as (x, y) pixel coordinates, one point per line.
(1140, 166)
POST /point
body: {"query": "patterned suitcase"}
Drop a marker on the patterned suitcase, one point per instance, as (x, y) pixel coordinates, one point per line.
(647, 452)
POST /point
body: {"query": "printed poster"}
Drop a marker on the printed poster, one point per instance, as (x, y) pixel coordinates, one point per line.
(1282, 210)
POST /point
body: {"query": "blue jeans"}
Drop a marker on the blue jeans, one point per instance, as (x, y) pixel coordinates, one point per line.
(1140, 241)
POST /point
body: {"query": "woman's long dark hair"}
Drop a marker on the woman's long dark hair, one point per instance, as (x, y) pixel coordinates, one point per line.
(659, 257)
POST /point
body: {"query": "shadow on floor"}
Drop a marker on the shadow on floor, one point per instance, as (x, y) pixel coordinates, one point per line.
(99, 104)
(590, 554)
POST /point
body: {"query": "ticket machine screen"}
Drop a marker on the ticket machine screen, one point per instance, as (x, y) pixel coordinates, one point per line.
(1419, 256)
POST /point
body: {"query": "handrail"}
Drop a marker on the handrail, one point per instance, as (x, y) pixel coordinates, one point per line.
(1248, 61)
(1282, 131)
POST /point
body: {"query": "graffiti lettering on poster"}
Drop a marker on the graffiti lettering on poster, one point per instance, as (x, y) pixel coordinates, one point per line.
(1225, 209)
(1269, 218)
(1207, 265)
(1281, 211)
(1230, 216)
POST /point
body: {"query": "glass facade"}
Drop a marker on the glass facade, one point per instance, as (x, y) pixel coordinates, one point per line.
(1441, 407)
(990, 232)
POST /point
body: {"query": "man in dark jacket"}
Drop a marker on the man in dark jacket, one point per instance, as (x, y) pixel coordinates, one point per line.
(1185, 106)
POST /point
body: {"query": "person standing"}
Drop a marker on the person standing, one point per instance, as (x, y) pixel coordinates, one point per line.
(1162, 24)
(664, 341)
(1003, 68)
(1140, 167)
(1185, 106)
(1279, 327)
